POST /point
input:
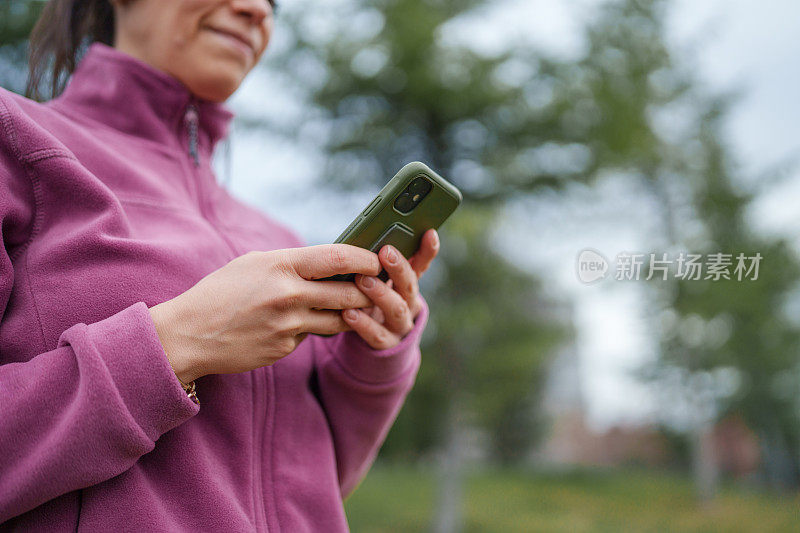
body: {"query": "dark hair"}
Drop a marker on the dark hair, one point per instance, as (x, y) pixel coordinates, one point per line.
(58, 36)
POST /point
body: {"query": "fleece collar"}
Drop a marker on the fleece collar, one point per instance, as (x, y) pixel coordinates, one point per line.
(126, 93)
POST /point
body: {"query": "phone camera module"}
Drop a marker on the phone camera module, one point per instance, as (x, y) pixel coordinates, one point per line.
(404, 203)
(413, 194)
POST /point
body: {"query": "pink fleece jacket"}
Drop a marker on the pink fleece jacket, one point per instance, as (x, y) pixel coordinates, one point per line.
(108, 206)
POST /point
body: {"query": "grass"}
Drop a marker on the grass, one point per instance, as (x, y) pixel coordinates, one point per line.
(401, 498)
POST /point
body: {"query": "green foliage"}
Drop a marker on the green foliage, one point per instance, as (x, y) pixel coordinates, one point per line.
(744, 329)
(398, 91)
(509, 500)
(17, 18)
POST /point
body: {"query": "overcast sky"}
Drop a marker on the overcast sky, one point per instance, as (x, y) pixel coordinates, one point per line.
(753, 46)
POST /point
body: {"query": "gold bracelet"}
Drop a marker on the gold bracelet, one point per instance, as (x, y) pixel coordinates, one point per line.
(190, 390)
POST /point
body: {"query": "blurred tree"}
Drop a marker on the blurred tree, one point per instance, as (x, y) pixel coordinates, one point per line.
(504, 331)
(725, 344)
(733, 343)
(513, 123)
(490, 337)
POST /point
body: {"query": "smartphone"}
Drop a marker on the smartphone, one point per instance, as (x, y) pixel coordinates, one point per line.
(415, 200)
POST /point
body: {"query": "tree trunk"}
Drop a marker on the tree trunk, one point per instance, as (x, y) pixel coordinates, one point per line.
(705, 470)
(449, 514)
(779, 465)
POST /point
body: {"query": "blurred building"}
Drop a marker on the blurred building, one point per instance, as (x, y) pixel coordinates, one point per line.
(570, 441)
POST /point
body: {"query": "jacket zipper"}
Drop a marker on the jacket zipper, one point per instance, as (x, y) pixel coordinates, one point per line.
(192, 119)
(260, 429)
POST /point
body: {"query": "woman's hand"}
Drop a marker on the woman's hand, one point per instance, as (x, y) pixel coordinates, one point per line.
(396, 302)
(259, 307)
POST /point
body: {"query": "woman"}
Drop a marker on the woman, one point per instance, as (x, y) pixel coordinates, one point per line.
(133, 286)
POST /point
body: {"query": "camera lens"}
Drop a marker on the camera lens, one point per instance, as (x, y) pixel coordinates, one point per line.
(419, 185)
(404, 203)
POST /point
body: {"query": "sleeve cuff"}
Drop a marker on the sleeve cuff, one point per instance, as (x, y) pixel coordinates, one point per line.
(379, 366)
(129, 346)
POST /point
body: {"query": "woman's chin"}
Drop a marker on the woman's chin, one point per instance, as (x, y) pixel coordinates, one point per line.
(215, 87)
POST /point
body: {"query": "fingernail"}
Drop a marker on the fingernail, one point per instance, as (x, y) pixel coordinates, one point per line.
(368, 281)
(391, 256)
(435, 239)
(351, 314)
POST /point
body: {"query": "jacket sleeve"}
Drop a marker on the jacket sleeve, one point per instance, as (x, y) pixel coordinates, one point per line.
(86, 410)
(362, 390)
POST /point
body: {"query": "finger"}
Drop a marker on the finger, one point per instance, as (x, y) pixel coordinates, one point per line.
(373, 311)
(376, 313)
(405, 280)
(396, 313)
(324, 260)
(325, 322)
(333, 295)
(373, 333)
(428, 249)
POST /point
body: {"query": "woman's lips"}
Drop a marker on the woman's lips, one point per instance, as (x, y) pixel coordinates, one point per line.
(235, 41)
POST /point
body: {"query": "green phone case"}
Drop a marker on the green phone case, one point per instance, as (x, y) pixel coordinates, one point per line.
(381, 223)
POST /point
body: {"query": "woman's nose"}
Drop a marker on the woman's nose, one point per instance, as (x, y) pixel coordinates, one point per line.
(256, 10)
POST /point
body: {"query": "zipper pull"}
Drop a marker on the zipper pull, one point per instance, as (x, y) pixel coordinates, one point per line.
(191, 118)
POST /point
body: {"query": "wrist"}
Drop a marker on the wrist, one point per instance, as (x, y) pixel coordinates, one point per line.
(179, 359)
